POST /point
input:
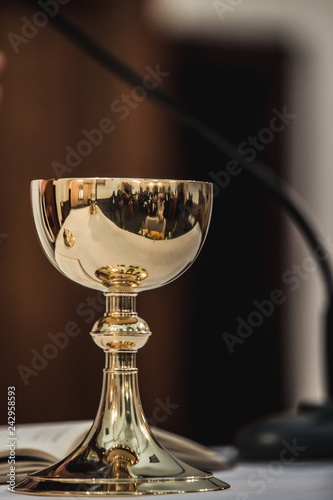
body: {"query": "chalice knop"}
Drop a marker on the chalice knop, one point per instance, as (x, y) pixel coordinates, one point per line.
(120, 236)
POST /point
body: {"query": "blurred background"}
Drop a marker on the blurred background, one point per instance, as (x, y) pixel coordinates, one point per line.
(260, 73)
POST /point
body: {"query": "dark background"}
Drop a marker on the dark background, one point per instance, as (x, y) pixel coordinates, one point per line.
(52, 92)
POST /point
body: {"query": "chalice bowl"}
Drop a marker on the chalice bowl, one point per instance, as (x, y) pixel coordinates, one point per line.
(121, 236)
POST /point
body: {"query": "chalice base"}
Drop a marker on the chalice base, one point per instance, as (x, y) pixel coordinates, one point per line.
(55, 481)
(120, 455)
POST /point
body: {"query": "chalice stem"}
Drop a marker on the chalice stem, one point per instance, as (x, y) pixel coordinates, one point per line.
(120, 422)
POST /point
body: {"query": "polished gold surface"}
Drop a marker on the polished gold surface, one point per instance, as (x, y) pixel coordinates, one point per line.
(157, 225)
(120, 236)
(69, 239)
(121, 275)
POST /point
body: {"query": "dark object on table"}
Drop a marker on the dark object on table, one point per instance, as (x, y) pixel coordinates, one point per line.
(307, 435)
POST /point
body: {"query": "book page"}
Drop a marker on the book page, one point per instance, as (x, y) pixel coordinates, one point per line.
(51, 441)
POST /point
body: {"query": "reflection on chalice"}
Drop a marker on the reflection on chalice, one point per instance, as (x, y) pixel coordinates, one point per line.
(120, 236)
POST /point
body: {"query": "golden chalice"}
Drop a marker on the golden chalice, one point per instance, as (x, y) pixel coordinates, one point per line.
(120, 236)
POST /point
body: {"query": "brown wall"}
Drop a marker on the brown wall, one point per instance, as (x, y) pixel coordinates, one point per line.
(52, 91)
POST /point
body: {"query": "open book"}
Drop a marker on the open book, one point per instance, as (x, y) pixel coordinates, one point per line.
(36, 446)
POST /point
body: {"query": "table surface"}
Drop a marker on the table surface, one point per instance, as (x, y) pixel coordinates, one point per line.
(305, 480)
